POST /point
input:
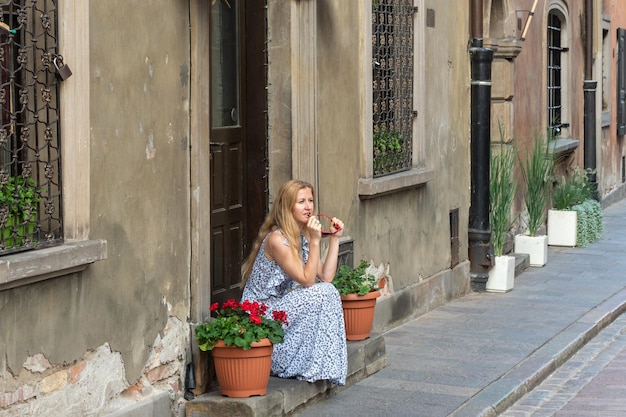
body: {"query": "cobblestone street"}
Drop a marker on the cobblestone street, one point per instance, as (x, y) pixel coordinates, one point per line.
(592, 383)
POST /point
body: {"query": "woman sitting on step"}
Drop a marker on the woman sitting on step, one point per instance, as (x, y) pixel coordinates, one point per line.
(285, 271)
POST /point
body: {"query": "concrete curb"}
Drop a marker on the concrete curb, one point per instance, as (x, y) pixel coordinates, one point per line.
(496, 397)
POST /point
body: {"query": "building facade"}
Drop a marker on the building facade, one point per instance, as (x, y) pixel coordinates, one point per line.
(158, 157)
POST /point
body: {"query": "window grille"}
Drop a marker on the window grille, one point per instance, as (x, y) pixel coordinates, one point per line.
(555, 50)
(30, 177)
(392, 51)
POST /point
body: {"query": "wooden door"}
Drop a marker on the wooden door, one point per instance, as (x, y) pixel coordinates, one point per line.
(238, 163)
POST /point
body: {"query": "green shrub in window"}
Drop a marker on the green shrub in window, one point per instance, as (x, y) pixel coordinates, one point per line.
(18, 210)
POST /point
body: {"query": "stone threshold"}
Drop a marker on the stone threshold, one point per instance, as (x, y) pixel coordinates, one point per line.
(285, 396)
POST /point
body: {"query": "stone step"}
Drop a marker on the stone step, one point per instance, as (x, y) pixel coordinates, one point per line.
(522, 262)
(284, 396)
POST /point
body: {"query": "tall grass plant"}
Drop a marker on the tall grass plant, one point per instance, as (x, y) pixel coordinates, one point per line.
(501, 195)
(537, 169)
(571, 191)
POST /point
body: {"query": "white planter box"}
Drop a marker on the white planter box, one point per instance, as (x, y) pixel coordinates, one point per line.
(562, 227)
(535, 246)
(501, 274)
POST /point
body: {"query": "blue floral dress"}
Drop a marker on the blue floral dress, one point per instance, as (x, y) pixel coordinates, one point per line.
(315, 339)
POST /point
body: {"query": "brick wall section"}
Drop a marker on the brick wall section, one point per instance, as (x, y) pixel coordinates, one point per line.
(96, 383)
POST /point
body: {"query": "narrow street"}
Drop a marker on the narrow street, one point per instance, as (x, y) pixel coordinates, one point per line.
(591, 383)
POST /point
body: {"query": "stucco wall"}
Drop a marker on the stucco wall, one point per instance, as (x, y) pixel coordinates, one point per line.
(408, 229)
(530, 87)
(530, 79)
(279, 92)
(139, 202)
(140, 169)
(610, 146)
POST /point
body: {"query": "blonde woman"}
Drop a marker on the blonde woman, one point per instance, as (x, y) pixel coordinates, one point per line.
(285, 271)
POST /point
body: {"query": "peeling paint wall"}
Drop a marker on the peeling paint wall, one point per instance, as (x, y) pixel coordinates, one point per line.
(95, 384)
(140, 170)
(109, 329)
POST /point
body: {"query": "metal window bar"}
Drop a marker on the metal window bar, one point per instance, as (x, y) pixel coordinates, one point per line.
(30, 154)
(392, 50)
(555, 49)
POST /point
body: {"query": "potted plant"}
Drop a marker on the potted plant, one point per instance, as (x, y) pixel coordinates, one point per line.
(562, 219)
(501, 195)
(359, 290)
(536, 169)
(241, 339)
(589, 222)
(576, 217)
(18, 211)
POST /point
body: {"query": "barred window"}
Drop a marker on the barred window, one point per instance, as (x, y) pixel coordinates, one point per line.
(30, 180)
(392, 50)
(556, 49)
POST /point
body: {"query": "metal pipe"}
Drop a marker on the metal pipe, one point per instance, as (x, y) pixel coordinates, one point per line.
(479, 233)
(589, 96)
(476, 22)
(589, 118)
(588, 39)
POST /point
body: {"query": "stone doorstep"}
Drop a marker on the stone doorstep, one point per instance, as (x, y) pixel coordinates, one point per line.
(284, 396)
(522, 262)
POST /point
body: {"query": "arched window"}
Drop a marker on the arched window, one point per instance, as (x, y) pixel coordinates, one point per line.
(557, 48)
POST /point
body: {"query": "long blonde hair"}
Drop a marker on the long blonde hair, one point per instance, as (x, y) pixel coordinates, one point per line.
(279, 217)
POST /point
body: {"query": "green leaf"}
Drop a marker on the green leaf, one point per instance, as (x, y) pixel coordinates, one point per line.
(354, 280)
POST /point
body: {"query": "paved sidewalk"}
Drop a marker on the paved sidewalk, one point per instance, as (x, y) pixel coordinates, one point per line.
(591, 384)
(476, 356)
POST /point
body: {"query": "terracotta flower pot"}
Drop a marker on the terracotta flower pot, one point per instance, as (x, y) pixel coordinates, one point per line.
(243, 373)
(358, 314)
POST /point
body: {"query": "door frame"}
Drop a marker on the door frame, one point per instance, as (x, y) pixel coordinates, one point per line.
(200, 268)
(256, 142)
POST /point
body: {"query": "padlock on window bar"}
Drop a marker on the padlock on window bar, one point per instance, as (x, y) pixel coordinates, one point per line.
(62, 69)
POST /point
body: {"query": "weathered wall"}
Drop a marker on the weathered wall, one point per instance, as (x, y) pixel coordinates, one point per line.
(124, 306)
(610, 146)
(408, 229)
(140, 168)
(279, 92)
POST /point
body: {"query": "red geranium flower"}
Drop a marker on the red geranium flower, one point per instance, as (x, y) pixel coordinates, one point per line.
(241, 324)
(281, 316)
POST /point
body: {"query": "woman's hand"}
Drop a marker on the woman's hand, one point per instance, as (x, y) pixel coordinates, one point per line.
(326, 269)
(336, 227)
(315, 228)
